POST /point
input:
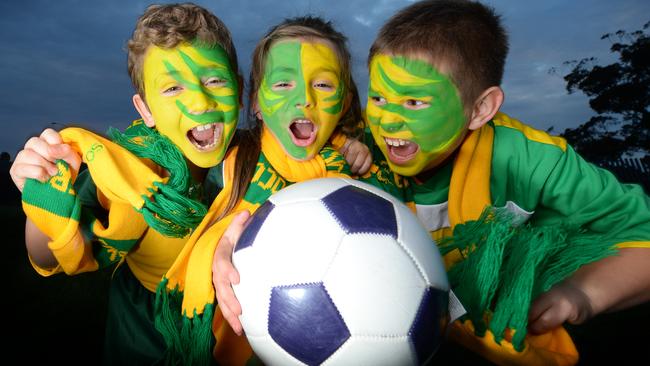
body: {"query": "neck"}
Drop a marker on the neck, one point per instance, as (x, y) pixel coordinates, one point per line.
(198, 173)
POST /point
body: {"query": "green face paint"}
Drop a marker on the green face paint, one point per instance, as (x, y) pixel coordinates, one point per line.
(193, 95)
(301, 96)
(415, 113)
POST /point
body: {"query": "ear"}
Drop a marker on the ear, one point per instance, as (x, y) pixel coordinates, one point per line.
(485, 107)
(142, 108)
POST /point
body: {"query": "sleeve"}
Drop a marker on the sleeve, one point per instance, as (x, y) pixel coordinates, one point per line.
(585, 195)
(45, 206)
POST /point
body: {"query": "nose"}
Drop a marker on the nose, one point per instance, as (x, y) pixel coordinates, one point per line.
(200, 102)
(306, 100)
(392, 126)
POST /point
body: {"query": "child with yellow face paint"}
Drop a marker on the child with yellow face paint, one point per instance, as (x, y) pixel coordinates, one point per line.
(184, 67)
(540, 254)
(305, 103)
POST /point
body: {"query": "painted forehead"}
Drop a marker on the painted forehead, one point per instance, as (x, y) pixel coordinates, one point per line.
(398, 74)
(189, 58)
(295, 53)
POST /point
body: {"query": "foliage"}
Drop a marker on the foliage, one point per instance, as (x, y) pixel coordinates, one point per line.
(620, 94)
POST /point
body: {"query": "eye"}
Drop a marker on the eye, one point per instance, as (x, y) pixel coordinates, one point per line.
(377, 100)
(324, 85)
(214, 82)
(415, 104)
(172, 90)
(282, 85)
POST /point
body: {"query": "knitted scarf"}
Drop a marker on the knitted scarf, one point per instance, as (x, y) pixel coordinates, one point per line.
(125, 185)
(506, 265)
(188, 283)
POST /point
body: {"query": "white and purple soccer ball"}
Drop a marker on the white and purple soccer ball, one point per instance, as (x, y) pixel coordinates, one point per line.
(337, 272)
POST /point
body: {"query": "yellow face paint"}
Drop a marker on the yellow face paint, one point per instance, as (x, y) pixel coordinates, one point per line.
(193, 95)
(415, 113)
(301, 95)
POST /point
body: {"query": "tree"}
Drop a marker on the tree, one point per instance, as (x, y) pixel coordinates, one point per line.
(620, 95)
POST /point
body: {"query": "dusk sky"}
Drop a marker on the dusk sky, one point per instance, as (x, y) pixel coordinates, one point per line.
(64, 62)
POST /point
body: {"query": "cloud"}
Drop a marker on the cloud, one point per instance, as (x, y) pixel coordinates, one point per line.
(65, 60)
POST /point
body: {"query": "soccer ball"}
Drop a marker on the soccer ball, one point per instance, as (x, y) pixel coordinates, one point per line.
(335, 271)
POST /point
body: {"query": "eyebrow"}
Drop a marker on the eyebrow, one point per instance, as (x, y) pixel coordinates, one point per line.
(282, 69)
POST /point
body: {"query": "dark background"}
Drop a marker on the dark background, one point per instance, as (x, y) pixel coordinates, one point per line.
(61, 319)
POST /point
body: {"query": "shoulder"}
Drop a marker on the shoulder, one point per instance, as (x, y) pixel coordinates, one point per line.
(508, 128)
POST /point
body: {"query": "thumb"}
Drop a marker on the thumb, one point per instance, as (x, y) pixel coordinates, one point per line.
(65, 152)
(236, 227)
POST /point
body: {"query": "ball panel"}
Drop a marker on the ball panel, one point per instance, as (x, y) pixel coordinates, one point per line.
(371, 273)
(360, 211)
(253, 291)
(304, 321)
(422, 248)
(375, 351)
(307, 190)
(431, 319)
(295, 250)
(270, 353)
(253, 225)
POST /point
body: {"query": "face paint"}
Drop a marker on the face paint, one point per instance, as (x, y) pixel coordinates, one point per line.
(192, 93)
(414, 112)
(301, 96)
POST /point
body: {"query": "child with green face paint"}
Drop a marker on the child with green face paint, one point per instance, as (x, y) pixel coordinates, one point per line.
(540, 254)
(184, 67)
(304, 103)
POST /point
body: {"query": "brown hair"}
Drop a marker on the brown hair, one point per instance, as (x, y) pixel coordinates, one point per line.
(351, 123)
(466, 37)
(310, 28)
(168, 25)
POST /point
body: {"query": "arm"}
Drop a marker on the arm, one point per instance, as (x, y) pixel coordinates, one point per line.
(610, 284)
(224, 274)
(616, 213)
(37, 161)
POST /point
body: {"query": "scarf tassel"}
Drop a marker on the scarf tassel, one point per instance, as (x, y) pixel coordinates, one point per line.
(189, 340)
(507, 266)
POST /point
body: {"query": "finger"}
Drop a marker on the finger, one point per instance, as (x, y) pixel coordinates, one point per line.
(236, 227)
(539, 306)
(359, 161)
(31, 157)
(40, 147)
(66, 153)
(231, 317)
(51, 136)
(366, 166)
(33, 172)
(345, 147)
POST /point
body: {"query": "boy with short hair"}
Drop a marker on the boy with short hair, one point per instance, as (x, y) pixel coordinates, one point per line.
(433, 109)
(142, 199)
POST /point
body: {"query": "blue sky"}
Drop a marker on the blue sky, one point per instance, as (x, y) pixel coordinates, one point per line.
(64, 62)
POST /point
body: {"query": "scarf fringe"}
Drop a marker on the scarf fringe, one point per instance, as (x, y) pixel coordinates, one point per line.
(507, 266)
(189, 340)
(169, 210)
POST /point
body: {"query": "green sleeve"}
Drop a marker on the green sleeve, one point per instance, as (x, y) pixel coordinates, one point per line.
(557, 186)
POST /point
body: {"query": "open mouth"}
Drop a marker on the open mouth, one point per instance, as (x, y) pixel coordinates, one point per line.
(401, 151)
(303, 132)
(206, 137)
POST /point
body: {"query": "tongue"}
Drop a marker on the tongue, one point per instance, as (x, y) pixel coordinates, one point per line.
(202, 136)
(302, 130)
(404, 150)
